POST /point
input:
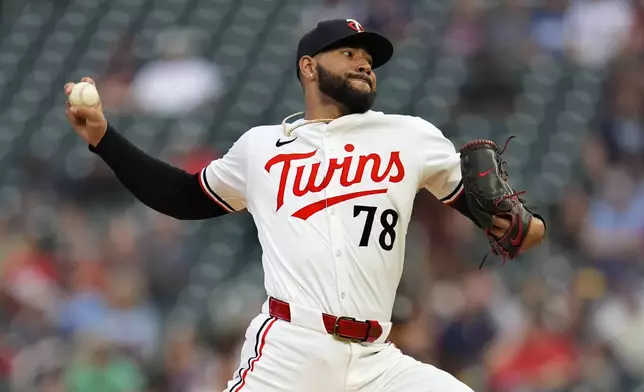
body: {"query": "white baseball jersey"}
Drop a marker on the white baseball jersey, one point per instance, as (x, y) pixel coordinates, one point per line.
(332, 204)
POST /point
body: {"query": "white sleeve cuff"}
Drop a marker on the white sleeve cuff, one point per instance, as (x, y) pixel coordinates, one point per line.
(454, 194)
(203, 180)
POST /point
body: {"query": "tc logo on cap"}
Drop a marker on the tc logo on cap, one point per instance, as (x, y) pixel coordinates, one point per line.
(355, 25)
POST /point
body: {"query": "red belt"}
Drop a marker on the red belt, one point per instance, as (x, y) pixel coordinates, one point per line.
(346, 328)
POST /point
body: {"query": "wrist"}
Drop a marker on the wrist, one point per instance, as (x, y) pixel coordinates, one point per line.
(102, 142)
(540, 226)
(536, 234)
(537, 231)
(97, 140)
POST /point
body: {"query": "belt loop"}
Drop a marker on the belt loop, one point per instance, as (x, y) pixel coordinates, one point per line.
(279, 309)
(374, 331)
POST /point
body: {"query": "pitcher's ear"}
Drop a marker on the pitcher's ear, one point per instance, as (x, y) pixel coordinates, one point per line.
(307, 67)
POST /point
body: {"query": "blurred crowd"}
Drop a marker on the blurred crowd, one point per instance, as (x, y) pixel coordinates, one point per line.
(89, 286)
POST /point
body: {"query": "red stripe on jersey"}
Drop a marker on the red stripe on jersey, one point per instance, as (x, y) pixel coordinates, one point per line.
(459, 194)
(259, 355)
(305, 212)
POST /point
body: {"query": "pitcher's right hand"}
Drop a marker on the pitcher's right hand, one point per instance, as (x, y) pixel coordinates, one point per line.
(89, 123)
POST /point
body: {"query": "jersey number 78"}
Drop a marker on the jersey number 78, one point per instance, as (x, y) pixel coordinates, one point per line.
(388, 220)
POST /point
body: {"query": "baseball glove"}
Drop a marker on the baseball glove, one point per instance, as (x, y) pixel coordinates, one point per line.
(485, 182)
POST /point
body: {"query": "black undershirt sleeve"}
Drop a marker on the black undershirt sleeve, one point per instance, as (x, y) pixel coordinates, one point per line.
(160, 186)
(460, 205)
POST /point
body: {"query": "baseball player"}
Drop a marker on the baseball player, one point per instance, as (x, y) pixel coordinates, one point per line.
(331, 194)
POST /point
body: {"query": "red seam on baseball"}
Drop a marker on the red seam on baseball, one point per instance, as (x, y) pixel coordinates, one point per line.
(80, 95)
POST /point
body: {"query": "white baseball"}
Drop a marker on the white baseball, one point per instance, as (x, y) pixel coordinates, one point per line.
(84, 94)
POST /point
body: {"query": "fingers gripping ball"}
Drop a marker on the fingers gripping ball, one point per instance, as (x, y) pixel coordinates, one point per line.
(84, 94)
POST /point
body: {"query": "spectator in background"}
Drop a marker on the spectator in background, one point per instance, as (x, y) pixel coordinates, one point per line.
(329, 9)
(636, 43)
(180, 82)
(466, 337)
(30, 278)
(544, 360)
(622, 133)
(123, 233)
(413, 330)
(85, 306)
(38, 366)
(98, 367)
(196, 159)
(488, 89)
(445, 232)
(226, 348)
(614, 228)
(165, 259)
(569, 215)
(546, 27)
(598, 369)
(508, 33)
(619, 322)
(129, 323)
(187, 366)
(390, 17)
(33, 298)
(595, 31)
(464, 35)
(115, 85)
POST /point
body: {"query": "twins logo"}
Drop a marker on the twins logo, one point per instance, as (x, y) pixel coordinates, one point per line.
(391, 170)
(354, 24)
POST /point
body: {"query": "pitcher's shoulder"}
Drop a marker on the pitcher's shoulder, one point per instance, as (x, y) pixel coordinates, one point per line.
(412, 123)
(261, 132)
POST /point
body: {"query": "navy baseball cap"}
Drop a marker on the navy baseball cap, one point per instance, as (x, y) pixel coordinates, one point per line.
(336, 33)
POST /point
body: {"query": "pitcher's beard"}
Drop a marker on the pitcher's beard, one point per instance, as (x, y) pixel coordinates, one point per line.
(338, 88)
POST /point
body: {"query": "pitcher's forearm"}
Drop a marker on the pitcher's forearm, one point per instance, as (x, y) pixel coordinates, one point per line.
(160, 186)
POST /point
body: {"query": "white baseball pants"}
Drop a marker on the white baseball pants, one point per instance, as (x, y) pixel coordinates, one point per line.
(279, 356)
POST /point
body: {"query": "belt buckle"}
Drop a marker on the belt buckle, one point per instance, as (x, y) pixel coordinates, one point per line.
(336, 325)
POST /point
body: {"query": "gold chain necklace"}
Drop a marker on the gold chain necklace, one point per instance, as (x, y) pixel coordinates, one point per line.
(289, 130)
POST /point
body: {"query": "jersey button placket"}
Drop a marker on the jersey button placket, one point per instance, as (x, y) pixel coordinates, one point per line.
(335, 219)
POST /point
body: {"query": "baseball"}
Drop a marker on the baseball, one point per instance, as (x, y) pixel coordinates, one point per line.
(84, 94)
